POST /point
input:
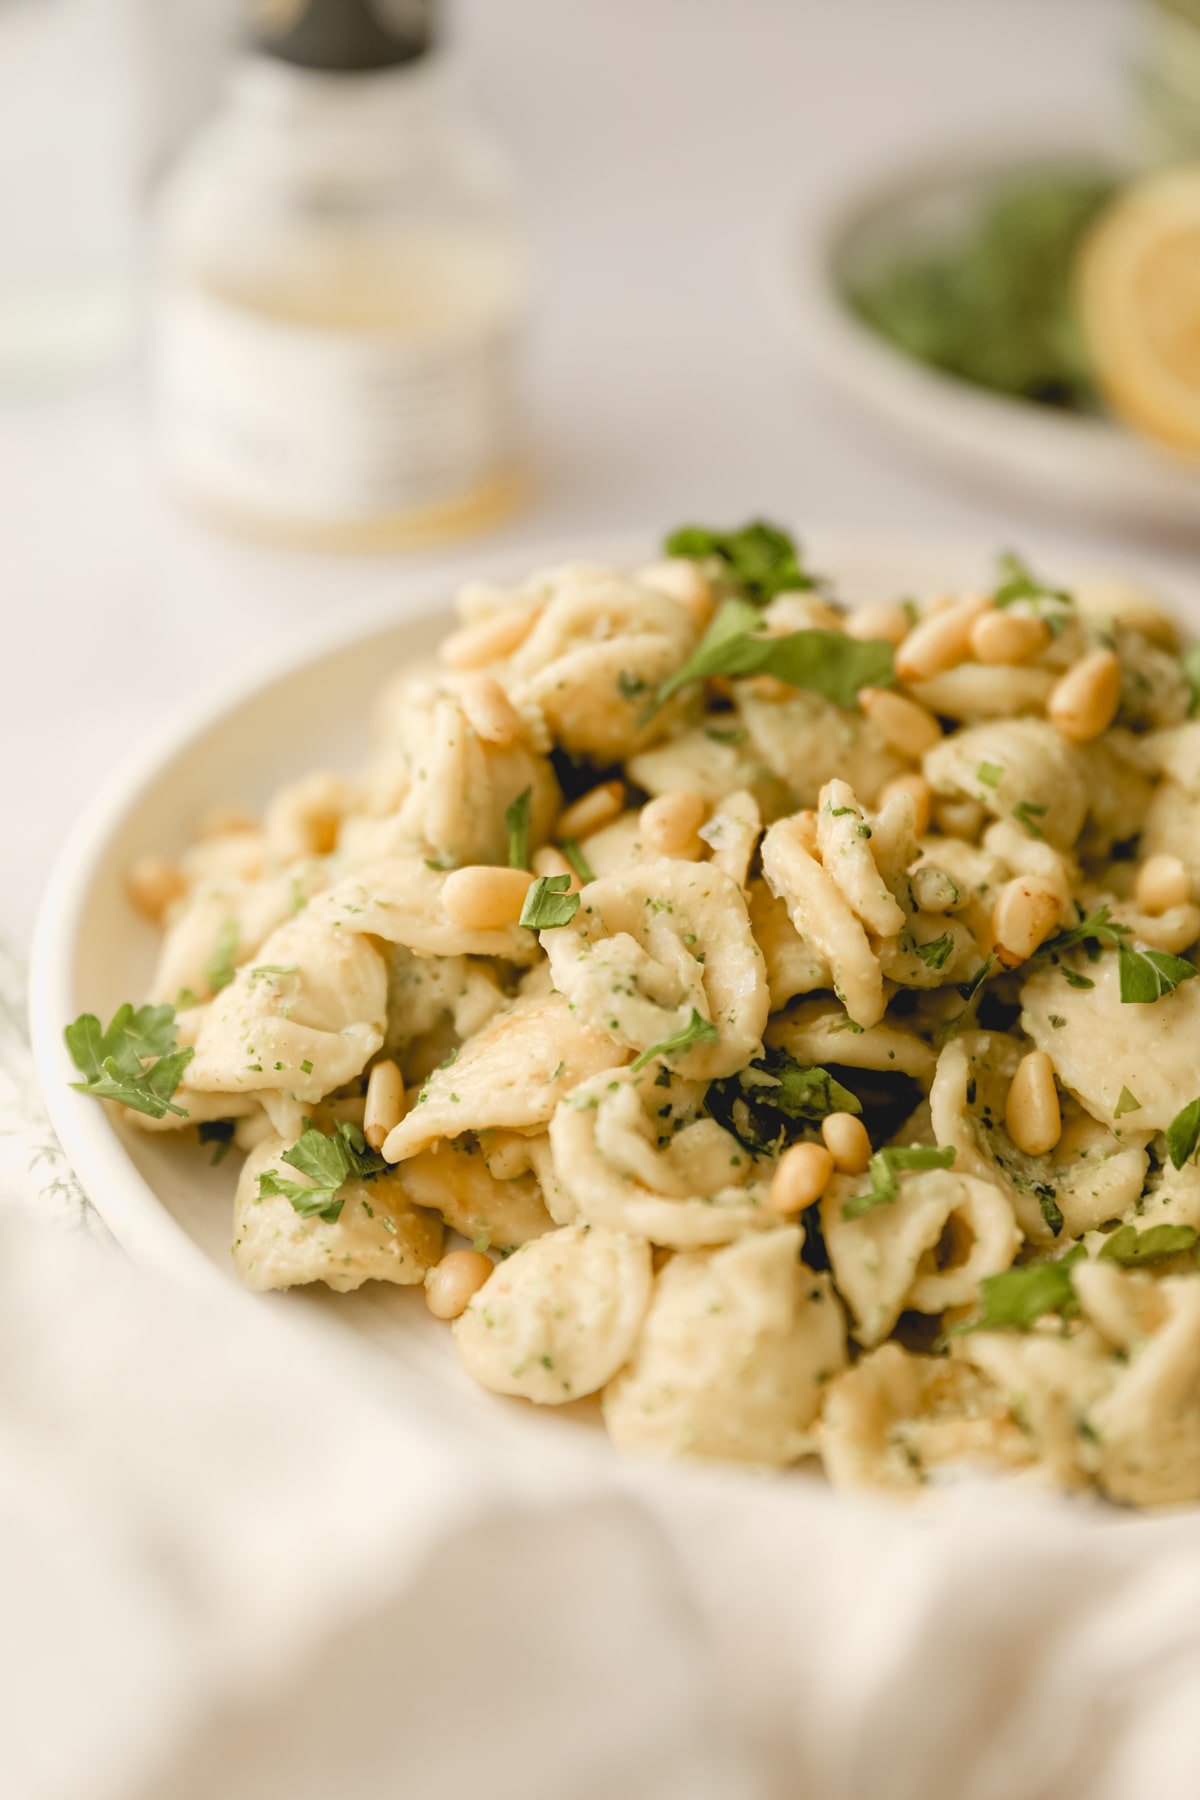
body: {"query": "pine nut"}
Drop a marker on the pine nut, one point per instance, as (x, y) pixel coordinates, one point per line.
(1084, 702)
(933, 890)
(1032, 1114)
(885, 619)
(152, 884)
(847, 1142)
(682, 580)
(488, 640)
(455, 1281)
(489, 711)
(957, 815)
(916, 789)
(1007, 637)
(1162, 882)
(801, 1176)
(599, 806)
(386, 1102)
(671, 823)
(903, 723)
(482, 898)
(549, 861)
(225, 821)
(1027, 909)
(940, 642)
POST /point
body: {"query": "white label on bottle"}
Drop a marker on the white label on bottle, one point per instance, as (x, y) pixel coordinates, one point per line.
(327, 427)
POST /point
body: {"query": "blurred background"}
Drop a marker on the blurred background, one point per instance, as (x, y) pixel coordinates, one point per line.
(296, 293)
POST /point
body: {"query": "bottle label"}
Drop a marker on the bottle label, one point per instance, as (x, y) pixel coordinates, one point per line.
(326, 428)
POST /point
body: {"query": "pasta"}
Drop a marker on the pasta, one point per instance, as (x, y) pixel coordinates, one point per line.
(657, 876)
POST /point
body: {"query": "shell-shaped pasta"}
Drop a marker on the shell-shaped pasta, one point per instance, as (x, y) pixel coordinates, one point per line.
(977, 874)
(733, 832)
(732, 1356)
(1148, 1423)
(597, 651)
(973, 693)
(453, 1179)
(1120, 786)
(1175, 755)
(1172, 825)
(821, 914)
(1154, 691)
(1100, 1045)
(807, 740)
(400, 900)
(1051, 1381)
(794, 966)
(1090, 1177)
(820, 1032)
(844, 843)
(559, 1317)
(436, 994)
(221, 925)
(893, 1417)
(303, 1021)
(616, 848)
(926, 1250)
(1013, 764)
(510, 1075)
(1025, 855)
(630, 1155)
(713, 759)
(378, 1236)
(305, 817)
(460, 786)
(648, 948)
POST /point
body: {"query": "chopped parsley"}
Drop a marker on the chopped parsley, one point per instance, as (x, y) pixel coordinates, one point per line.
(726, 734)
(698, 1030)
(935, 954)
(763, 1103)
(1129, 1246)
(1126, 1103)
(1027, 813)
(824, 662)
(990, 774)
(548, 904)
(884, 1168)
(516, 817)
(329, 1162)
(221, 966)
(1019, 1297)
(578, 861)
(262, 970)
(1018, 582)
(135, 1061)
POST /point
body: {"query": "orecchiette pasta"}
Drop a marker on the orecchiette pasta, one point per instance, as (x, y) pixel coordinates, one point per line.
(713, 979)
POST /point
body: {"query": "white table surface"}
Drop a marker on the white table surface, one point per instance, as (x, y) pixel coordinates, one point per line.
(667, 147)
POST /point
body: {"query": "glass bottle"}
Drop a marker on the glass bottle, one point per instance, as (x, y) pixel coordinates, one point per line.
(340, 287)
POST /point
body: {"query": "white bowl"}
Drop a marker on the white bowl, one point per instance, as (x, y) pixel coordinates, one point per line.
(160, 1195)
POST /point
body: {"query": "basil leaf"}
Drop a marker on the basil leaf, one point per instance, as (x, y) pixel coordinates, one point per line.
(762, 559)
(698, 1030)
(886, 1165)
(548, 904)
(1129, 1246)
(1146, 975)
(1183, 1133)
(823, 662)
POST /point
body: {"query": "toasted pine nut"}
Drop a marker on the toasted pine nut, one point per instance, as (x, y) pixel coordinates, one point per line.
(549, 861)
(1027, 909)
(225, 821)
(957, 815)
(152, 884)
(1162, 882)
(599, 806)
(933, 890)
(489, 711)
(905, 724)
(885, 619)
(847, 1142)
(1031, 1112)
(670, 824)
(769, 687)
(684, 581)
(386, 1102)
(801, 1176)
(1008, 637)
(1084, 701)
(487, 640)
(941, 641)
(482, 898)
(915, 788)
(455, 1281)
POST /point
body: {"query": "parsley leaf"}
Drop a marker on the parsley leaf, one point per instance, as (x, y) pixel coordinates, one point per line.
(886, 1165)
(1051, 1211)
(578, 861)
(1097, 928)
(1027, 814)
(987, 967)
(221, 966)
(134, 1061)
(934, 954)
(516, 817)
(1126, 1103)
(990, 774)
(1019, 1297)
(1146, 975)
(761, 1101)
(329, 1162)
(1018, 582)
(761, 559)
(726, 734)
(548, 903)
(1189, 668)
(697, 1031)
(824, 662)
(262, 970)
(1183, 1133)
(1129, 1246)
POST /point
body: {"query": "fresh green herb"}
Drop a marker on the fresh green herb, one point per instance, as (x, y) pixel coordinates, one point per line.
(838, 812)
(548, 904)
(262, 970)
(1097, 928)
(297, 895)
(970, 988)
(306, 1067)
(1189, 668)
(884, 1168)
(726, 734)
(516, 817)
(824, 662)
(761, 559)
(1126, 1103)
(221, 966)
(1027, 813)
(1074, 979)
(763, 1102)
(629, 686)
(1146, 975)
(578, 861)
(1129, 1246)
(431, 862)
(329, 1162)
(1019, 1297)
(934, 955)
(184, 998)
(1050, 1209)
(698, 1030)
(1018, 582)
(135, 1061)
(990, 774)
(1057, 1021)
(1183, 1134)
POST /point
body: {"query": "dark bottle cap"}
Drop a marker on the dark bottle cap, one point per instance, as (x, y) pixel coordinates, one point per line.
(342, 36)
